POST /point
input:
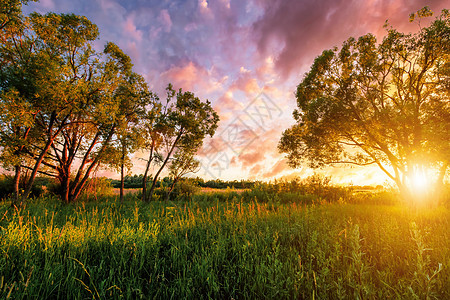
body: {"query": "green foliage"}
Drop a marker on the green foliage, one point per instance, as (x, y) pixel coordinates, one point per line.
(381, 103)
(11, 12)
(315, 186)
(230, 249)
(180, 130)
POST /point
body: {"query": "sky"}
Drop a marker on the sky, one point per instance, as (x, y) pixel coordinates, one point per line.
(246, 57)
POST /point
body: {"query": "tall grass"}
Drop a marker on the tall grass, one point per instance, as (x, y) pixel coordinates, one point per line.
(220, 248)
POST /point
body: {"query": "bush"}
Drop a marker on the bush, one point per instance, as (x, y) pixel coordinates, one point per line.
(185, 189)
(7, 187)
(315, 187)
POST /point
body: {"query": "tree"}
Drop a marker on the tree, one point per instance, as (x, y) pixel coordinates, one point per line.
(137, 104)
(385, 104)
(183, 124)
(64, 102)
(151, 127)
(17, 116)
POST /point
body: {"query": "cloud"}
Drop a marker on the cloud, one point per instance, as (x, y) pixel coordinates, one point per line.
(297, 31)
(227, 102)
(187, 76)
(249, 159)
(211, 147)
(164, 18)
(131, 30)
(247, 83)
(276, 169)
(255, 170)
(48, 4)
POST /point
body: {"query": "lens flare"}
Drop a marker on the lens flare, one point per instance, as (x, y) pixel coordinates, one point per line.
(420, 181)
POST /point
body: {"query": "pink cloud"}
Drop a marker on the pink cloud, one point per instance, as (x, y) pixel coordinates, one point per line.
(211, 147)
(297, 31)
(254, 171)
(246, 83)
(226, 101)
(279, 167)
(186, 77)
(248, 159)
(164, 18)
(48, 4)
(131, 30)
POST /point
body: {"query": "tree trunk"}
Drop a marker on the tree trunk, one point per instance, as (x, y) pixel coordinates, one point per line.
(78, 186)
(17, 174)
(122, 184)
(152, 189)
(147, 167)
(44, 151)
(172, 186)
(35, 169)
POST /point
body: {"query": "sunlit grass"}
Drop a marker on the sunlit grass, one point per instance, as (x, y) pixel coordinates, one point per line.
(223, 249)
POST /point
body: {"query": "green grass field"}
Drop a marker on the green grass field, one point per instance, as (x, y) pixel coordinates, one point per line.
(225, 249)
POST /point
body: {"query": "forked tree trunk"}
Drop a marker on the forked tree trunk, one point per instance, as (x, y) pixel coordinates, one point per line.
(79, 184)
(51, 138)
(65, 187)
(35, 170)
(155, 179)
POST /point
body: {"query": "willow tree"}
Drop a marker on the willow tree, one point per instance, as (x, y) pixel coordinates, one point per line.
(381, 103)
(63, 102)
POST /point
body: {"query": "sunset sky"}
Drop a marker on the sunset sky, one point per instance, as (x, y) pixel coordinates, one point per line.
(246, 57)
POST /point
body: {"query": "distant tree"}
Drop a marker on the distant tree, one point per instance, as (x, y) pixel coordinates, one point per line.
(386, 104)
(183, 125)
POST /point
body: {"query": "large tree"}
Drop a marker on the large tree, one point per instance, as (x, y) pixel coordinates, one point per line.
(382, 103)
(64, 103)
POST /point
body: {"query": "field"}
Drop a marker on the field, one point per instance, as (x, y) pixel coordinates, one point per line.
(223, 247)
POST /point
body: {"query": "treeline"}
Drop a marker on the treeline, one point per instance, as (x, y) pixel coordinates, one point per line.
(135, 181)
(68, 110)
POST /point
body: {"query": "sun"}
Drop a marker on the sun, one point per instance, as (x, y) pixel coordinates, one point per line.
(420, 181)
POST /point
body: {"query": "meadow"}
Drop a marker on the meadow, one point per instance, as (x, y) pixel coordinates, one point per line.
(250, 245)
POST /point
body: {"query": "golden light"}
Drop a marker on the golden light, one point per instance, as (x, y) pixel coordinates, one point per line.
(420, 182)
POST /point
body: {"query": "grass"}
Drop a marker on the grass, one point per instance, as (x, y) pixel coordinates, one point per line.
(223, 249)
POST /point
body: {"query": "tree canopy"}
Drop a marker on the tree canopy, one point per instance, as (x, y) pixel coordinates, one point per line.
(68, 109)
(381, 103)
